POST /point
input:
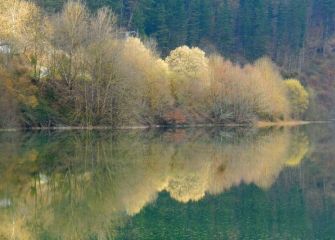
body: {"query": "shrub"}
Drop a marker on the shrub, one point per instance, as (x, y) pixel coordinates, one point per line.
(298, 97)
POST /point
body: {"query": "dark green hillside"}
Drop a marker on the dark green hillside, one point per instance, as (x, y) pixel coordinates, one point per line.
(242, 28)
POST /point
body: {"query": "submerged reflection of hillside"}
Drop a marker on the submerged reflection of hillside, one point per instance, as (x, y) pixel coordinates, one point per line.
(74, 185)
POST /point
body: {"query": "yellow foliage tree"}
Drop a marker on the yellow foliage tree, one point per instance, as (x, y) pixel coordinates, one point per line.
(26, 30)
(233, 95)
(189, 62)
(266, 76)
(298, 97)
(240, 94)
(22, 23)
(149, 73)
(21, 89)
(189, 74)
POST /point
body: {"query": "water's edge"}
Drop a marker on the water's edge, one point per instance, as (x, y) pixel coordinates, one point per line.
(259, 124)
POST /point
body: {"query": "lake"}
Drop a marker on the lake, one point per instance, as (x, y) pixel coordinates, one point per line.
(185, 183)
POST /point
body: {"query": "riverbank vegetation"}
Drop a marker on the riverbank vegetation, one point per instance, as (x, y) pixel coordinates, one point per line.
(78, 68)
(298, 35)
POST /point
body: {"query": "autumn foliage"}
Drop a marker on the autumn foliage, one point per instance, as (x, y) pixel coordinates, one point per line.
(298, 97)
(77, 68)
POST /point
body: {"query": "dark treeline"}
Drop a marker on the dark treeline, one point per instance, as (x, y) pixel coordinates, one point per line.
(237, 28)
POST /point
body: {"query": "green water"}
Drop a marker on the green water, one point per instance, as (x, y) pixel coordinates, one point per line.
(205, 183)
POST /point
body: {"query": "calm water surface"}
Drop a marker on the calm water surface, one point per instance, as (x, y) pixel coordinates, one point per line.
(203, 183)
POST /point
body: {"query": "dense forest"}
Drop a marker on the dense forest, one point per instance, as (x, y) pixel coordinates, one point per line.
(296, 34)
(249, 29)
(77, 65)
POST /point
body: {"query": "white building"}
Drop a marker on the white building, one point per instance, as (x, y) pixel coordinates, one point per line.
(5, 48)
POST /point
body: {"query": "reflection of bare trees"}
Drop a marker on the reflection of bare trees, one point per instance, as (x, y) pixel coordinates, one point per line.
(102, 180)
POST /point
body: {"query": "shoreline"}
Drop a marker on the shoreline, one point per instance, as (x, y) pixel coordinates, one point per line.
(259, 124)
(264, 124)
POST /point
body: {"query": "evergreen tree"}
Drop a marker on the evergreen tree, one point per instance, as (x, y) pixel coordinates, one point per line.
(261, 30)
(205, 21)
(161, 32)
(193, 25)
(94, 5)
(297, 26)
(281, 23)
(224, 29)
(51, 5)
(177, 22)
(252, 28)
(324, 14)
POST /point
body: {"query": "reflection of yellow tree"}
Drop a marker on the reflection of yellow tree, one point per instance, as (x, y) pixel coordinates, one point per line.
(119, 179)
(299, 149)
(218, 168)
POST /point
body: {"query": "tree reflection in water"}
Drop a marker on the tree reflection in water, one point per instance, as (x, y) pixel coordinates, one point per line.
(77, 185)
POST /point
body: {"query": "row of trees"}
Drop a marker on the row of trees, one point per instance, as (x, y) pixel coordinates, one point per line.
(294, 33)
(76, 67)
